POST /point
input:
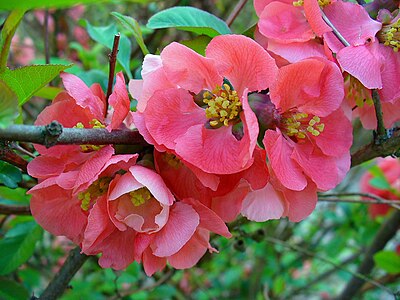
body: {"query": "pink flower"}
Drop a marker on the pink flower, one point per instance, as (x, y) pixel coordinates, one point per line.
(140, 220)
(194, 114)
(302, 120)
(390, 167)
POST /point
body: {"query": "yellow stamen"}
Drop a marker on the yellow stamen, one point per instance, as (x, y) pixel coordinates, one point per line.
(223, 105)
(140, 196)
(299, 124)
(94, 124)
(389, 35)
(95, 190)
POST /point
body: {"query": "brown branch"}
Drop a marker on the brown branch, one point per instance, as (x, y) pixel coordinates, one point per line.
(11, 157)
(388, 278)
(54, 134)
(238, 8)
(111, 73)
(384, 235)
(386, 148)
(60, 282)
(380, 127)
(15, 210)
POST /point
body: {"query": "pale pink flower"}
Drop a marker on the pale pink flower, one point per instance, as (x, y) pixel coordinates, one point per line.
(218, 134)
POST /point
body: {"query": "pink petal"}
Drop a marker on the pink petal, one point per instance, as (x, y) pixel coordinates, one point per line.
(189, 255)
(284, 23)
(142, 241)
(301, 204)
(353, 23)
(364, 63)
(83, 95)
(188, 69)
(57, 211)
(237, 56)
(169, 114)
(152, 263)
(316, 87)
(294, 52)
(154, 183)
(259, 5)
(337, 131)
(117, 250)
(263, 204)
(119, 100)
(99, 226)
(314, 164)
(279, 152)
(390, 91)
(208, 219)
(125, 184)
(313, 14)
(182, 223)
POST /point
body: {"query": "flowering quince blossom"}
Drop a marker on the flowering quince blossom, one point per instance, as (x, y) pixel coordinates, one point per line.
(285, 32)
(304, 120)
(390, 168)
(372, 57)
(204, 117)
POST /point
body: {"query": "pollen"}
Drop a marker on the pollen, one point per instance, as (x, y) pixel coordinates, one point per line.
(94, 123)
(140, 196)
(224, 106)
(389, 35)
(172, 160)
(95, 190)
(321, 3)
(299, 124)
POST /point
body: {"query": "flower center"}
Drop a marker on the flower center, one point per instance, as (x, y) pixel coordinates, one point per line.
(389, 35)
(95, 190)
(172, 160)
(357, 92)
(321, 3)
(140, 196)
(94, 124)
(224, 106)
(298, 125)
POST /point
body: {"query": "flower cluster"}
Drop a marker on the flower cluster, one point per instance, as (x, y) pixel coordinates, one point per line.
(251, 128)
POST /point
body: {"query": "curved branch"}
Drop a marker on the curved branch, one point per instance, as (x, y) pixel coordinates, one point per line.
(385, 234)
(61, 280)
(55, 134)
(14, 210)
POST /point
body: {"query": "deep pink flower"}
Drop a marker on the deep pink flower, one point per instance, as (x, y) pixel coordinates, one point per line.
(299, 143)
(390, 168)
(218, 134)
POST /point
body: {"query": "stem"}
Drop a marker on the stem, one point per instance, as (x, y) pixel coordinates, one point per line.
(113, 59)
(387, 147)
(334, 30)
(46, 37)
(15, 210)
(60, 282)
(54, 134)
(238, 8)
(380, 127)
(384, 235)
(11, 157)
(393, 203)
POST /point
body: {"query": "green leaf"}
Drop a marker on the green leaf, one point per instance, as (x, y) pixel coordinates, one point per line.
(18, 246)
(26, 81)
(48, 92)
(15, 195)
(198, 44)
(379, 180)
(8, 105)
(11, 290)
(388, 261)
(105, 36)
(32, 4)
(9, 175)
(133, 26)
(7, 33)
(189, 19)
